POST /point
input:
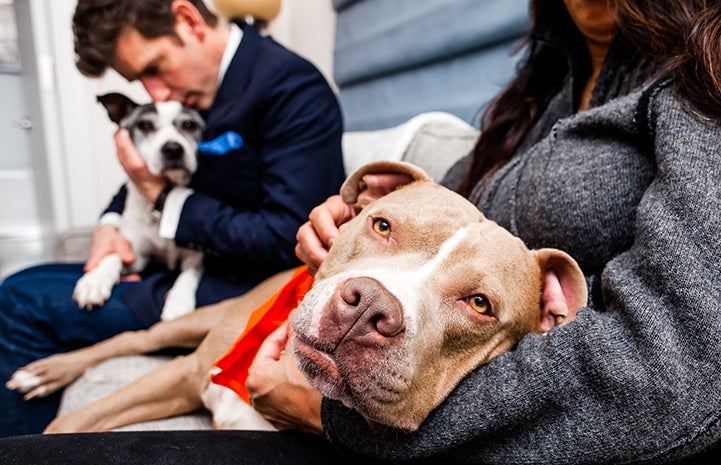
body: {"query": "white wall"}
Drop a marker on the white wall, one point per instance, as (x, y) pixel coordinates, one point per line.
(87, 169)
(308, 28)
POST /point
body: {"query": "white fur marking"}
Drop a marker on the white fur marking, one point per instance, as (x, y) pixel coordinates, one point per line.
(232, 412)
(405, 285)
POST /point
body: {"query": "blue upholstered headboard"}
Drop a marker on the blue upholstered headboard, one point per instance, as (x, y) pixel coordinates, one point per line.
(397, 58)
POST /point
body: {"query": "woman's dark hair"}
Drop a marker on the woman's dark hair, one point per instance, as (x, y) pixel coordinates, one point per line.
(686, 34)
(97, 24)
(682, 36)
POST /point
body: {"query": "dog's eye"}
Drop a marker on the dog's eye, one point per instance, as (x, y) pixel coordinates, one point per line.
(189, 125)
(479, 303)
(145, 125)
(382, 227)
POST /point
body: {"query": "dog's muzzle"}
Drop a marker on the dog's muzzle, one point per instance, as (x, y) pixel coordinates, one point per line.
(172, 151)
(173, 156)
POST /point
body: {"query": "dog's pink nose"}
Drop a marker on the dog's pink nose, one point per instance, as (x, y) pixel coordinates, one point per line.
(369, 309)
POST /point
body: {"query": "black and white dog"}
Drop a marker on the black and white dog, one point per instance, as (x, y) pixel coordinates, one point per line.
(166, 135)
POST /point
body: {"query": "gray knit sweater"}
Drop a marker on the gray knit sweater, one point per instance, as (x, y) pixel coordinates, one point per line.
(632, 189)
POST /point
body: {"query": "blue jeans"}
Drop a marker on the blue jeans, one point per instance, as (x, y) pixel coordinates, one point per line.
(39, 318)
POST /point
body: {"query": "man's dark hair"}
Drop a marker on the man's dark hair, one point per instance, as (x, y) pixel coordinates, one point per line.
(97, 24)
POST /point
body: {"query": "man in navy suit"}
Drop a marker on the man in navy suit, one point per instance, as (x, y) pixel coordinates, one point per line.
(243, 206)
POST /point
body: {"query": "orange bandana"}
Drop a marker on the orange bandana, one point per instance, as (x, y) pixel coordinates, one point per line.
(263, 321)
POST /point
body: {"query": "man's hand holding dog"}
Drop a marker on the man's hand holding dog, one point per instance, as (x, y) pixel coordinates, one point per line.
(149, 185)
(108, 240)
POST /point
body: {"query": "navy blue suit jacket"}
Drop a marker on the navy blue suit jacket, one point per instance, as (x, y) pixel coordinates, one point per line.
(248, 204)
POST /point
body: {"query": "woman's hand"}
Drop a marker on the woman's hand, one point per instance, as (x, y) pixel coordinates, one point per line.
(134, 165)
(317, 235)
(279, 391)
(108, 240)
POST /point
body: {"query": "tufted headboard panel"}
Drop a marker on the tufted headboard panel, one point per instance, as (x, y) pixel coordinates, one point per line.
(394, 59)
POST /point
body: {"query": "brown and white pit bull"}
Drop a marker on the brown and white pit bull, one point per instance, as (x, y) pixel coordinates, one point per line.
(418, 290)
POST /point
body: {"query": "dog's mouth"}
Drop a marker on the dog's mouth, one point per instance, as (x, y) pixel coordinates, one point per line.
(175, 159)
(177, 175)
(174, 164)
(377, 397)
(320, 368)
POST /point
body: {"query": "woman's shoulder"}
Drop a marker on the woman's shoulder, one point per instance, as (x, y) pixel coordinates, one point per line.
(678, 132)
(663, 104)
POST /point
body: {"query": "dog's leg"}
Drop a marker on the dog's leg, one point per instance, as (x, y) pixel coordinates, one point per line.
(47, 375)
(94, 287)
(169, 390)
(181, 297)
(175, 387)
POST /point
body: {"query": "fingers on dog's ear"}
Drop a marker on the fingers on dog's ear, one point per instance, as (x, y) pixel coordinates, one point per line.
(376, 179)
(117, 105)
(564, 288)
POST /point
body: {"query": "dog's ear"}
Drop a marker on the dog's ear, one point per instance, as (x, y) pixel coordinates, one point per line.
(117, 105)
(564, 288)
(376, 179)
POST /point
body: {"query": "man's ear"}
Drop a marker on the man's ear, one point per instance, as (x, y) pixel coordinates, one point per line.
(117, 105)
(564, 288)
(186, 14)
(376, 179)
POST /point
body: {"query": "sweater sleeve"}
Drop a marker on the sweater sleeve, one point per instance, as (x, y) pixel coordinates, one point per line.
(637, 381)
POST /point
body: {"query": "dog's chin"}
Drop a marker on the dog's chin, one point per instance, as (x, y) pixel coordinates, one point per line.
(177, 176)
(384, 413)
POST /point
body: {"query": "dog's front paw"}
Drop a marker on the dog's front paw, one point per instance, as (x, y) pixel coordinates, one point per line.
(94, 287)
(22, 381)
(92, 290)
(177, 304)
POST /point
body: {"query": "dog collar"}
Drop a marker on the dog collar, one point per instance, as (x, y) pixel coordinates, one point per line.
(159, 204)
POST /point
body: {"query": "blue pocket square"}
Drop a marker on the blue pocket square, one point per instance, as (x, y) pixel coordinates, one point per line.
(222, 144)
